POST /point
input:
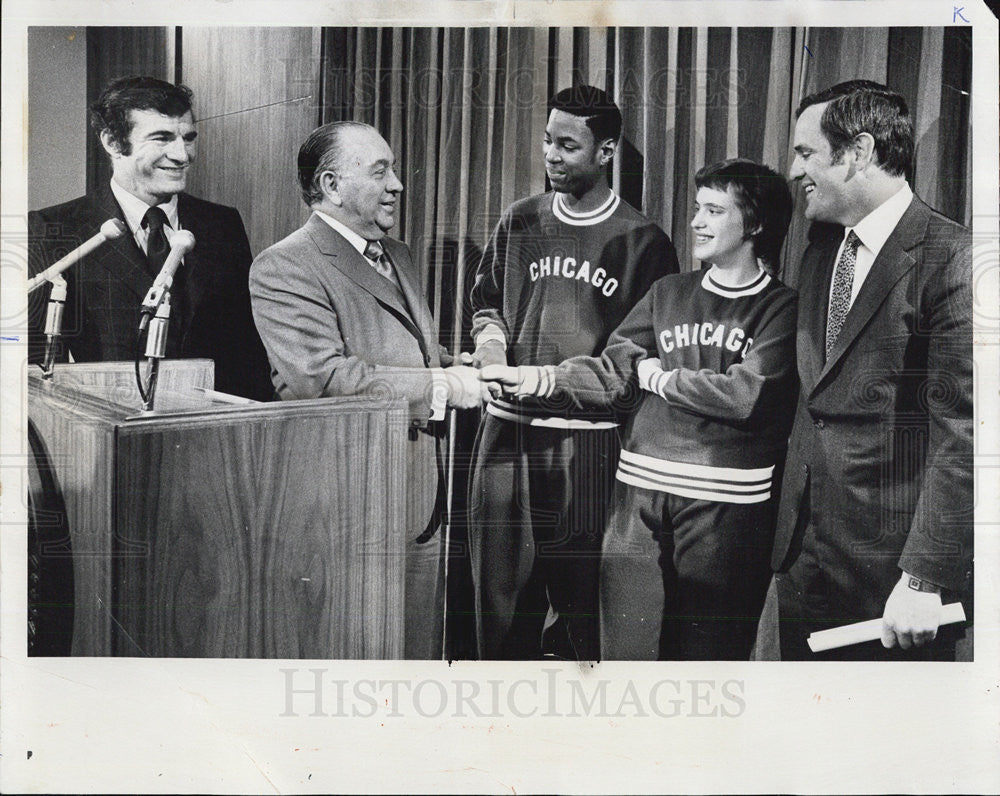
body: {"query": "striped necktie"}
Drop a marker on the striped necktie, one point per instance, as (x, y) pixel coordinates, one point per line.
(375, 253)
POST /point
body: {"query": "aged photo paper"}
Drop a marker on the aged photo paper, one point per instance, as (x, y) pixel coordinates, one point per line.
(147, 724)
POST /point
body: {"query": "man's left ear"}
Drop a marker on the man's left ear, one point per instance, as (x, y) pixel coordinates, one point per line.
(864, 149)
(111, 146)
(608, 149)
(328, 185)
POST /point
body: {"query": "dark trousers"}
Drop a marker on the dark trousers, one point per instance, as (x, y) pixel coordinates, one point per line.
(538, 509)
(683, 579)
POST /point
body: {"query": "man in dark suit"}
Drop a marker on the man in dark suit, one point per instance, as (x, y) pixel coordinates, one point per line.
(339, 308)
(876, 504)
(147, 128)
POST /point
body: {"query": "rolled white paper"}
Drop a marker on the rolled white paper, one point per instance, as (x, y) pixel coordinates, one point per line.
(870, 630)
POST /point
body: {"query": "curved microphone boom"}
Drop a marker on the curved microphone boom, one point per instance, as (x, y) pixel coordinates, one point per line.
(181, 242)
(110, 230)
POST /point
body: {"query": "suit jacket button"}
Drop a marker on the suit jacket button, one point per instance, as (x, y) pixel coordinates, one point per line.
(819, 423)
(805, 469)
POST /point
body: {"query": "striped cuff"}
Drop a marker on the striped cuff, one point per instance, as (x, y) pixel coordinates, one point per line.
(536, 381)
(652, 377)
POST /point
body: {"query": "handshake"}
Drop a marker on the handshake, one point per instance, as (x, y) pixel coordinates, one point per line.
(460, 387)
(463, 386)
(468, 387)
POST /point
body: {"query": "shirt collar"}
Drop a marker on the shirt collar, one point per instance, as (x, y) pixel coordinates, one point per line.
(135, 209)
(875, 228)
(357, 241)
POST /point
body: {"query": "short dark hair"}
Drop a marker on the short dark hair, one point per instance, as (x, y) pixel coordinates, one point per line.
(763, 198)
(320, 152)
(112, 110)
(596, 107)
(864, 106)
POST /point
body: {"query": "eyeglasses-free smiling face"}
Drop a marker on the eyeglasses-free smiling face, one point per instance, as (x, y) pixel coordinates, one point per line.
(718, 229)
(574, 161)
(367, 185)
(827, 184)
(161, 149)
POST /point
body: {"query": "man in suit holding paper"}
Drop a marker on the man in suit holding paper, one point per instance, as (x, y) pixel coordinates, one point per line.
(339, 308)
(876, 504)
(147, 128)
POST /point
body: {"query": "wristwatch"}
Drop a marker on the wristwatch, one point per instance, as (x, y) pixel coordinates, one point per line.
(918, 584)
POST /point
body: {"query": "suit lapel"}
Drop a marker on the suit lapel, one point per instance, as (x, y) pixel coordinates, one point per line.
(199, 265)
(125, 261)
(346, 259)
(814, 299)
(893, 262)
(412, 293)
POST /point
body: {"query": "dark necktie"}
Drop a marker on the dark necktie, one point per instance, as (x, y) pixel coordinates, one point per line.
(375, 253)
(840, 298)
(157, 247)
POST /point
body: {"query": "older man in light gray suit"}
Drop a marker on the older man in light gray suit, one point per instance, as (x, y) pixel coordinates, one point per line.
(339, 309)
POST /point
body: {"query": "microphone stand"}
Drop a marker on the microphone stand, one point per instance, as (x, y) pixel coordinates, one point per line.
(53, 324)
(156, 348)
(158, 301)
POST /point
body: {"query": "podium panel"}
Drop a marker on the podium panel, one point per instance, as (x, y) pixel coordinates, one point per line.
(261, 530)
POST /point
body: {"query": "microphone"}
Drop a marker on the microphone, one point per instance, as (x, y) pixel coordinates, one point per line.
(53, 323)
(156, 341)
(181, 242)
(110, 230)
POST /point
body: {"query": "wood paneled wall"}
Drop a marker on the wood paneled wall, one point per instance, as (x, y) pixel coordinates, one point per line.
(57, 114)
(257, 97)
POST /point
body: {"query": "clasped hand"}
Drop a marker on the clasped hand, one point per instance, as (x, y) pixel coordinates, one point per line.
(520, 381)
(468, 387)
(465, 390)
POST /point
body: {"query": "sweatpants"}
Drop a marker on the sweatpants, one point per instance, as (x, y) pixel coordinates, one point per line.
(683, 579)
(538, 508)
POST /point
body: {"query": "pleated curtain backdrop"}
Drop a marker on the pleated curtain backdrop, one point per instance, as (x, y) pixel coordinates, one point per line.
(464, 111)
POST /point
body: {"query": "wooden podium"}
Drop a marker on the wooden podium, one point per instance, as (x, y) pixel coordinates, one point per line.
(202, 530)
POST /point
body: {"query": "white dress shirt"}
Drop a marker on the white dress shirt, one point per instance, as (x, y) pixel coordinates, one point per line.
(357, 241)
(135, 211)
(873, 231)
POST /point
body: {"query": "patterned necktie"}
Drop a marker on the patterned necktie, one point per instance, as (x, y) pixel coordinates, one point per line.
(840, 298)
(375, 253)
(157, 247)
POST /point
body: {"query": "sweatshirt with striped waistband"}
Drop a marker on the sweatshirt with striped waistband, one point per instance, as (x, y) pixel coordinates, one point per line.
(709, 416)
